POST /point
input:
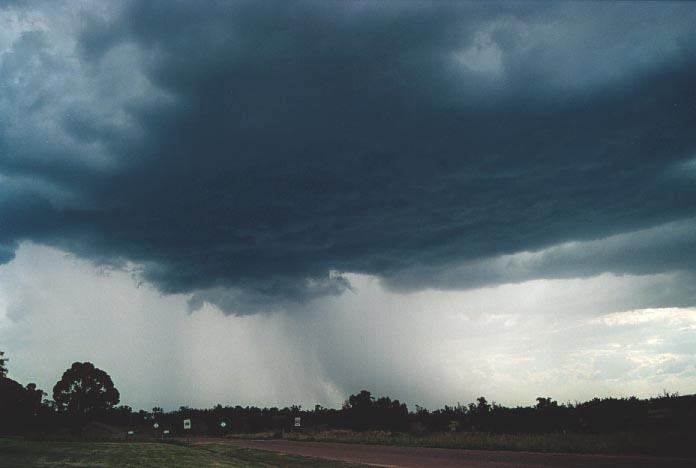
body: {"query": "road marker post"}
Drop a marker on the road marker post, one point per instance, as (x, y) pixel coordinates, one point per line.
(187, 428)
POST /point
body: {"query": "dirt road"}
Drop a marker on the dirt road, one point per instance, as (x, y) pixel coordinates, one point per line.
(381, 455)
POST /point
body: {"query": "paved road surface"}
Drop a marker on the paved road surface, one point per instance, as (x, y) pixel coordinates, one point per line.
(382, 455)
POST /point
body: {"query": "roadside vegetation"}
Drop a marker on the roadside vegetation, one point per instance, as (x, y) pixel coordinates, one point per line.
(16, 453)
(85, 405)
(612, 443)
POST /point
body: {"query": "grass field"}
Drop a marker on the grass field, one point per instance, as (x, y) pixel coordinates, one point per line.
(616, 443)
(18, 453)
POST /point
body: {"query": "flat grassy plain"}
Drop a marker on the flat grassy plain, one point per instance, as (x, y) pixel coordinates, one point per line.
(663, 444)
(22, 453)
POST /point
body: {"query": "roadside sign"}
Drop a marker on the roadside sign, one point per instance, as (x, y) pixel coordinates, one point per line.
(297, 421)
(166, 431)
(131, 432)
(187, 424)
(156, 425)
(223, 424)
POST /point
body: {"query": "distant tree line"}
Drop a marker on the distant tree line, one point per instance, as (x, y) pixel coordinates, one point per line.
(86, 393)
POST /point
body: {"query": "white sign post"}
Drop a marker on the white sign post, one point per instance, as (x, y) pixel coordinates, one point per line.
(223, 424)
(156, 425)
(297, 421)
(187, 428)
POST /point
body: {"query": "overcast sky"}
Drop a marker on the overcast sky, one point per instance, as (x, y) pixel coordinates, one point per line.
(287, 202)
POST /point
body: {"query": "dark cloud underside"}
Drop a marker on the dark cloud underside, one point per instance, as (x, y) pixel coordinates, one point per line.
(281, 144)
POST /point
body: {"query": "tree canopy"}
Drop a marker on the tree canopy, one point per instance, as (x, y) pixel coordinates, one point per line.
(85, 390)
(3, 366)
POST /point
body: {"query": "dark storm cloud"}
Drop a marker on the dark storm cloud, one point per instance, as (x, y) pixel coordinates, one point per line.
(276, 145)
(666, 248)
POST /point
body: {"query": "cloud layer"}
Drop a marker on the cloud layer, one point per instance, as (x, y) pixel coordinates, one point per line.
(511, 343)
(255, 156)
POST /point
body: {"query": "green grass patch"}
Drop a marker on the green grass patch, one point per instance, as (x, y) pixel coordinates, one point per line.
(34, 453)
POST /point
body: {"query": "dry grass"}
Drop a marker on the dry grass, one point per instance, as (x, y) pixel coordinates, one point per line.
(615, 443)
(15, 452)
